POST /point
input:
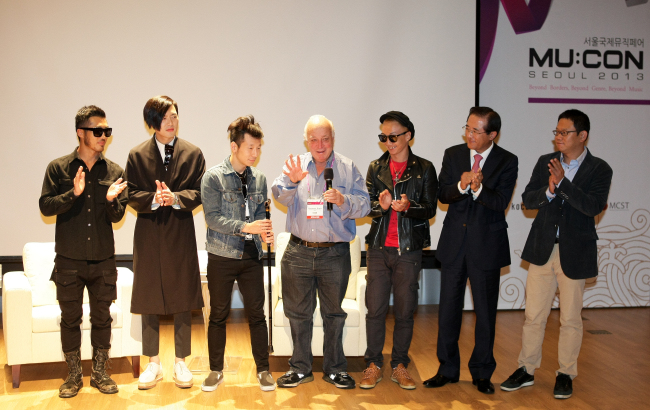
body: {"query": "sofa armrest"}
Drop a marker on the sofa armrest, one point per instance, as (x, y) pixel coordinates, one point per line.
(363, 311)
(131, 323)
(361, 290)
(17, 317)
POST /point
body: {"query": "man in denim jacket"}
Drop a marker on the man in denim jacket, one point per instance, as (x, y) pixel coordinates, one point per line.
(233, 195)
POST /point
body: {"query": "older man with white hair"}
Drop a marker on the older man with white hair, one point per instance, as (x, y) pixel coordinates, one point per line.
(317, 258)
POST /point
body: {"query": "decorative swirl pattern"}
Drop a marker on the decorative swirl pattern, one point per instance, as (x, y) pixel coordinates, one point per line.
(512, 293)
(623, 264)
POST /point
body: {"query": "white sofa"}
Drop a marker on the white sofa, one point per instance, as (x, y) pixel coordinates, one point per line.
(354, 304)
(31, 316)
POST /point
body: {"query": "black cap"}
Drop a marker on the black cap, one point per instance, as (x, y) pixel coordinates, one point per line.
(401, 118)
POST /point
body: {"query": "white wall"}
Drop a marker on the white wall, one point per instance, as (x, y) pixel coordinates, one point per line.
(281, 61)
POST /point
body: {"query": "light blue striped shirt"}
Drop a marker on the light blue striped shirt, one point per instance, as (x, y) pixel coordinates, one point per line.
(340, 227)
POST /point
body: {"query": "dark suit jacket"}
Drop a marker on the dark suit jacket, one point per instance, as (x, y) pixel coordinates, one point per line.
(573, 209)
(482, 221)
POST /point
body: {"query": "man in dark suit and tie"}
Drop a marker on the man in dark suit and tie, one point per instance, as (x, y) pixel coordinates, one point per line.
(477, 180)
(569, 188)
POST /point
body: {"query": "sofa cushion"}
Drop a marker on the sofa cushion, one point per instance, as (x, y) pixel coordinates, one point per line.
(349, 306)
(48, 318)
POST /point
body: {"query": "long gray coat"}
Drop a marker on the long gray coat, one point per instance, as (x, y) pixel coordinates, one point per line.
(165, 260)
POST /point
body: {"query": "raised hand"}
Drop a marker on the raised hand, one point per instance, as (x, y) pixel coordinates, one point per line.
(551, 185)
(477, 180)
(79, 181)
(400, 205)
(385, 199)
(295, 172)
(466, 179)
(115, 189)
(556, 170)
(167, 195)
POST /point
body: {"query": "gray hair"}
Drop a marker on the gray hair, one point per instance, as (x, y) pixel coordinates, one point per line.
(318, 121)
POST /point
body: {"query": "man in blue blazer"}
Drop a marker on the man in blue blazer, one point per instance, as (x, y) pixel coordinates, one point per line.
(569, 187)
(477, 180)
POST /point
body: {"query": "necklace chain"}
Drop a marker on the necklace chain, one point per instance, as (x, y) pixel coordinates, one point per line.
(397, 173)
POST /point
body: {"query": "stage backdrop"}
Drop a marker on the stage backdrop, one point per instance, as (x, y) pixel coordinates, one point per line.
(281, 61)
(541, 57)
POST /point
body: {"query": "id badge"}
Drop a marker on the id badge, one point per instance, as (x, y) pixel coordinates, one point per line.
(315, 209)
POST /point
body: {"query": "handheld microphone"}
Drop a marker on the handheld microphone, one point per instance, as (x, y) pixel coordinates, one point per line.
(328, 174)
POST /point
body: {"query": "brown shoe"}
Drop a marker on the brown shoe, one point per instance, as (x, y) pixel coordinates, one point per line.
(402, 377)
(371, 376)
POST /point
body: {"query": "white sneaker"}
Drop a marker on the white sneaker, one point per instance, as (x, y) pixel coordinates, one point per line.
(182, 376)
(151, 376)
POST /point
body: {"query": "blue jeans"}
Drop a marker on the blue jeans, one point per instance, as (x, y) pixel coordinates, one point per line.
(386, 269)
(304, 272)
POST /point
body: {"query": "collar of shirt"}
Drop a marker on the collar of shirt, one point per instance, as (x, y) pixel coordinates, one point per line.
(161, 146)
(75, 156)
(575, 163)
(483, 154)
(309, 160)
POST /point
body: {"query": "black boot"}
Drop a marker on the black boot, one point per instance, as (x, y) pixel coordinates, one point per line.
(99, 378)
(74, 381)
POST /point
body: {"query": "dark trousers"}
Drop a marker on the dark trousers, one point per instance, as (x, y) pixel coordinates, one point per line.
(71, 277)
(249, 274)
(306, 271)
(182, 334)
(485, 293)
(386, 269)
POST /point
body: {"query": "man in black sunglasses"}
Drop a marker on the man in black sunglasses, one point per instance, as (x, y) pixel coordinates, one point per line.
(403, 190)
(86, 192)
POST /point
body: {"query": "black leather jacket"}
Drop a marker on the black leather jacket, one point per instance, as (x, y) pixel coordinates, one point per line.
(420, 184)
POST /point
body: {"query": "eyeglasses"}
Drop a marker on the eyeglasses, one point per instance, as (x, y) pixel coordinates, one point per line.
(472, 131)
(563, 133)
(97, 132)
(392, 138)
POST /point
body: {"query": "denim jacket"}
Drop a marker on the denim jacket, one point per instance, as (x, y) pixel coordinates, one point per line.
(223, 206)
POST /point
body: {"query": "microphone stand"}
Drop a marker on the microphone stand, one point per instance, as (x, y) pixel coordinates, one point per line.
(267, 206)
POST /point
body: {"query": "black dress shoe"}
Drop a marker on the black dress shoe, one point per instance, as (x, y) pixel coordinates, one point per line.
(484, 385)
(438, 381)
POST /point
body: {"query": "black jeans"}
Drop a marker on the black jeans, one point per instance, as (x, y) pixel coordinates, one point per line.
(386, 269)
(306, 271)
(249, 273)
(182, 334)
(71, 277)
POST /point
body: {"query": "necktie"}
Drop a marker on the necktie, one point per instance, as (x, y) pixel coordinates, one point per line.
(169, 151)
(477, 162)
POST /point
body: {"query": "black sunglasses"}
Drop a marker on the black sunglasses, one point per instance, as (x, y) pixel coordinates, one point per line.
(392, 138)
(97, 132)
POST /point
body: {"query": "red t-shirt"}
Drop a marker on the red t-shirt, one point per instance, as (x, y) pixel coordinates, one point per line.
(392, 240)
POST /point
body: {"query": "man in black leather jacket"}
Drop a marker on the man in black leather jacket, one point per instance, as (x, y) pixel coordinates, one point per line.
(403, 189)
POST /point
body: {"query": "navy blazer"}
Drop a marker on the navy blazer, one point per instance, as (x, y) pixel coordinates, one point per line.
(481, 223)
(573, 210)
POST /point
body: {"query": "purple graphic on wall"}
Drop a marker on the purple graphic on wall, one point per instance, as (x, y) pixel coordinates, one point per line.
(523, 17)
